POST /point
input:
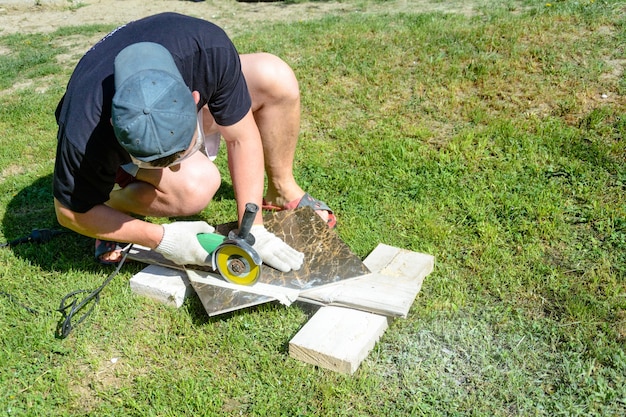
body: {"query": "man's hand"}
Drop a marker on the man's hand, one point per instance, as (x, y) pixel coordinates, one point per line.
(274, 252)
(180, 243)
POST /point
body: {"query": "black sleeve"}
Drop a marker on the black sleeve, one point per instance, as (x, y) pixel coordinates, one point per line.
(230, 101)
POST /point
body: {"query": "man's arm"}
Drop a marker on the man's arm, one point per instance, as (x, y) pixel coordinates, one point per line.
(175, 241)
(104, 222)
(245, 163)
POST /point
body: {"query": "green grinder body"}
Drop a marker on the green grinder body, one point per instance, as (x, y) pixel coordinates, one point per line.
(210, 241)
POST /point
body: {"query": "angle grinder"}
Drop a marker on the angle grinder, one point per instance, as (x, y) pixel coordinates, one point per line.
(233, 256)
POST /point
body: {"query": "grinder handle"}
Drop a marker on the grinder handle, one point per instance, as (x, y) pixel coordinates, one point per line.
(247, 220)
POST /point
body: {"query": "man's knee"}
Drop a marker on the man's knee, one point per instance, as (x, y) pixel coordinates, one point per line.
(198, 189)
(186, 190)
(280, 77)
(269, 78)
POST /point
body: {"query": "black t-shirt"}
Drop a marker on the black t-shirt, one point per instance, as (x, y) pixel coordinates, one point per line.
(88, 154)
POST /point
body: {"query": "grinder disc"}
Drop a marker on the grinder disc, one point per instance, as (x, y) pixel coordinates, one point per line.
(236, 265)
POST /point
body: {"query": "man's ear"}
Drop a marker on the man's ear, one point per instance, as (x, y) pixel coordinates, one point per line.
(196, 96)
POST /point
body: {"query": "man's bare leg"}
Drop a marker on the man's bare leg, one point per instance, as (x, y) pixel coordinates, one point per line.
(276, 107)
(181, 190)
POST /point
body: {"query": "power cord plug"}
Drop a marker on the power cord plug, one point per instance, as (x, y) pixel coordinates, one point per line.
(36, 236)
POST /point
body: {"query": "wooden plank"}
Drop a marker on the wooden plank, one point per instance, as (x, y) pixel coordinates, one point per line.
(389, 292)
(165, 285)
(337, 338)
(380, 257)
(374, 293)
(396, 262)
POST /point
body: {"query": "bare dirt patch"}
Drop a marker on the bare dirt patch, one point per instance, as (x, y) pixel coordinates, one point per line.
(32, 16)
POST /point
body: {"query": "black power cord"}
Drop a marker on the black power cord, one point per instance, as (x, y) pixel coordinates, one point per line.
(69, 306)
(36, 236)
(68, 311)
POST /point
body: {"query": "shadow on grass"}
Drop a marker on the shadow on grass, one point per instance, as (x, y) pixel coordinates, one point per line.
(193, 306)
(199, 317)
(32, 209)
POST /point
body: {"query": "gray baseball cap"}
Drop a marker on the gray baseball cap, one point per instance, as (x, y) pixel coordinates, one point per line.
(153, 111)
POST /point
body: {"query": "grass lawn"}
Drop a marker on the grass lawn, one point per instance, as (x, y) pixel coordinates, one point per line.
(494, 141)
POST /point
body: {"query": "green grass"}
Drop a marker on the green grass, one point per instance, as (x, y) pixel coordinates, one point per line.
(481, 139)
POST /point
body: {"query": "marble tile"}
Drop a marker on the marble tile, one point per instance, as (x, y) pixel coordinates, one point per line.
(327, 260)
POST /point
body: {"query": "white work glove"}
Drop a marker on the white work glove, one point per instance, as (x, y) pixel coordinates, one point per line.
(274, 252)
(180, 243)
